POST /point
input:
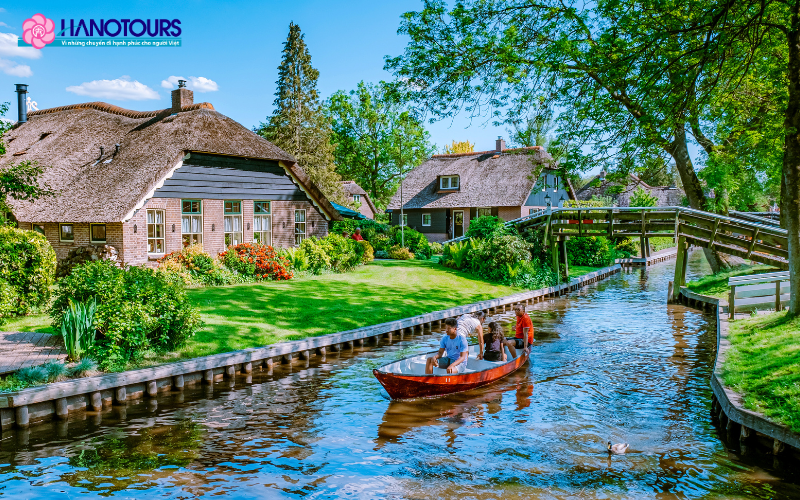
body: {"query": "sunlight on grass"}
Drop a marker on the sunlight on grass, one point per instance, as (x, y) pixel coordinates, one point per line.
(33, 323)
(575, 271)
(763, 364)
(716, 285)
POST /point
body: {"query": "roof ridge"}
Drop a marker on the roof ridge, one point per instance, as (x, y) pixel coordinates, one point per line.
(478, 153)
(117, 110)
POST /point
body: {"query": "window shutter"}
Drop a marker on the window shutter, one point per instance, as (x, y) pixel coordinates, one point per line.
(495, 211)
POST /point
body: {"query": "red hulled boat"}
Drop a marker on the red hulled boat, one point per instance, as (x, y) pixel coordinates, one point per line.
(406, 378)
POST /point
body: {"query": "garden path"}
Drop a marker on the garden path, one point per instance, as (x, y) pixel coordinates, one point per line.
(21, 349)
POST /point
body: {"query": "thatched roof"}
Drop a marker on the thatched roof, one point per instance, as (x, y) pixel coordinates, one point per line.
(67, 141)
(487, 179)
(668, 196)
(351, 188)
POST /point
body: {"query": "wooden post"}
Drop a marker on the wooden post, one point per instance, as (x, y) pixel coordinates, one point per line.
(610, 224)
(752, 243)
(732, 302)
(680, 267)
(21, 416)
(121, 394)
(321, 351)
(670, 291)
(303, 355)
(270, 364)
(208, 377)
(152, 388)
(554, 254)
(777, 295)
(248, 367)
(97, 401)
(562, 246)
(230, 371)
(177, 382)
(62, 408)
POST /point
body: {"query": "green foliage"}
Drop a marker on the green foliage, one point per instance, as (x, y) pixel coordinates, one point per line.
(589, 251)
(369, 228)
(28, 264)
(642, 198)
(490, 257)
(297, 258)
(196, 267)
(596, 201)
(456, 255)
(368, 255)
(56, 371)
(77, 327)
(256, 261)
(333, 252)
(716, 284)
(316, 253)
(31, 375)
(9, 301)
(138, 309)
(415, 241)
(400, 253)
(381, 254)
(626, 247)
(436, 248)
(82, 368)
(484, 226)
(381, 242)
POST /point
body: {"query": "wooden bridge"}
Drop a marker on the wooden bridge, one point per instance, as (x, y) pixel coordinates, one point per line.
(753, 239)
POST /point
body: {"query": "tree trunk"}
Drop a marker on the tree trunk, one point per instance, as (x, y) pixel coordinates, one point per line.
(791, 162)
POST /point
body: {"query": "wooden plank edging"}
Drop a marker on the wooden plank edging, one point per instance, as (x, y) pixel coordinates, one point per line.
(88, 385)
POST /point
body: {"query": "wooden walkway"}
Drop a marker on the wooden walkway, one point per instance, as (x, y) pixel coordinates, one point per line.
(21, 349)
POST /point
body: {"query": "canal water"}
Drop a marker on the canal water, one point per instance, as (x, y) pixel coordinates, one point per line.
(612, 362)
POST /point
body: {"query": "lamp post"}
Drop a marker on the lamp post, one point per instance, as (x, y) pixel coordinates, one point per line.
(548, 200)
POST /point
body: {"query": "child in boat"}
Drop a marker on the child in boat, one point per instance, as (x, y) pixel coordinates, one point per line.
(495, 340)
(472, 324)
(454, 346)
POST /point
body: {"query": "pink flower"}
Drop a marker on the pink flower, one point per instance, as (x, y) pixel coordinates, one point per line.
(38, 31)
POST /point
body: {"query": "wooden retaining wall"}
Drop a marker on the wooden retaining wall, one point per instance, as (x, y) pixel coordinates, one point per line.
(748, 428)
(39, 404)
(660, 256)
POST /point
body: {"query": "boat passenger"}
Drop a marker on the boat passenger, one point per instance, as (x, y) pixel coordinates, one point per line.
(495, 340)
(472, 324)
(523, 323)
(454, 346)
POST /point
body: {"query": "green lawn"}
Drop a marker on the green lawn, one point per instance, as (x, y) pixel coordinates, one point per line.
(32, 323)
(763, 364)
(575, 271)
(716, 285)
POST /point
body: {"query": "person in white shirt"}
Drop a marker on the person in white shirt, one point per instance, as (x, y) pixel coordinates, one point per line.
(472, 324)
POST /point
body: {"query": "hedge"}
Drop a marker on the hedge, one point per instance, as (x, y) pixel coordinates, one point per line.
(28, 265)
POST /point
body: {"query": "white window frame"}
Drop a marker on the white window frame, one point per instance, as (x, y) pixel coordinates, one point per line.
(404, 220)
(429, 219)
(61, 232)
(299, 235)
(195, 238)
(357, 198)
(478, 211)
(91, 235)
(155, 238)
(232, 235)
(261, 219)
(449, 184)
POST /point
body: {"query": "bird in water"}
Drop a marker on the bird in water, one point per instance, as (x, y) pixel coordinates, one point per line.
(617, 449)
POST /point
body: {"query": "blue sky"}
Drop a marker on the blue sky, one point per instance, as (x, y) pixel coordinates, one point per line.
(234, 46)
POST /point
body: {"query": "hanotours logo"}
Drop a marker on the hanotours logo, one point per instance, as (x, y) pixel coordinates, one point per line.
(38, 31)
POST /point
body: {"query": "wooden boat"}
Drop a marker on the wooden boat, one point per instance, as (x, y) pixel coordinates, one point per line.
(406, 378)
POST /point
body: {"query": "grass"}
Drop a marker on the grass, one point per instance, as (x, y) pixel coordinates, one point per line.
(716, 285)
(763, 365)
(33, 323)
(575, 271)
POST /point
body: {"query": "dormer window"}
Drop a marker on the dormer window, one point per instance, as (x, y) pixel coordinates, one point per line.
(448, 182)
(357, 198)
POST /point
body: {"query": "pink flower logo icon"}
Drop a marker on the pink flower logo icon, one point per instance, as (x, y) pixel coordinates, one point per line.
(38, 31)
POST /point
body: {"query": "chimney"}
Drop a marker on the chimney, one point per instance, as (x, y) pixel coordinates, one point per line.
(181, 97)
(499, 144)
(22, 112)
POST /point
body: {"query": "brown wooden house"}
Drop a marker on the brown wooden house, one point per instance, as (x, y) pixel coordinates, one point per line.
(150, 183)
(357, 195)
(442, 195)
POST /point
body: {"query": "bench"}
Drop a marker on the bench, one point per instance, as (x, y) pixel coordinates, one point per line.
(767, 288)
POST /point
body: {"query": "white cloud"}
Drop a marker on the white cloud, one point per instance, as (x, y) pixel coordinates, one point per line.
(9, 48)
(5, 25)
(14, 69)
(121, 89)
(196, 83)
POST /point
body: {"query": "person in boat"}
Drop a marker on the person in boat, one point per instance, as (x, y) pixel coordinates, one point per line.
(524, 323)
(453, 350)
(495, 340)
(472, 324)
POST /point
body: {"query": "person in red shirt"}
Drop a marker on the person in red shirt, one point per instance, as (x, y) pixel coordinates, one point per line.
(523, 322)
(357, 235)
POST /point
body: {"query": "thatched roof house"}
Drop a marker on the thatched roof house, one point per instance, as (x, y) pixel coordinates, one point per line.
(668, 196)
(135, 174)
(443, 194)
(357, 194)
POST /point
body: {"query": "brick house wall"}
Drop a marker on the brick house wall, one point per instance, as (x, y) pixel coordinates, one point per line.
(52, 231)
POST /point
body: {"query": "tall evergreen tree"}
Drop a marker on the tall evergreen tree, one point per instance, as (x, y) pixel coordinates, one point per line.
(298, 124)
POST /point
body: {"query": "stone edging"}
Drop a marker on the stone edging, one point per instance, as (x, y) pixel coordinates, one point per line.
(660, 256)
(41, 403)
(729, 407)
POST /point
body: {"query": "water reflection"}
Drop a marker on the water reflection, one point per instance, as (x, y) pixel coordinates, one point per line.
(611, 362)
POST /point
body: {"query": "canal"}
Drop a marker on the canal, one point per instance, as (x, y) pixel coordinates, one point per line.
(610, 363)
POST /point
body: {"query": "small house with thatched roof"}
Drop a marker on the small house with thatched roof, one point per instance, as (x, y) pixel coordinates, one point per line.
(621, 192)
(150, 183)
(440, 197)
(360, 198)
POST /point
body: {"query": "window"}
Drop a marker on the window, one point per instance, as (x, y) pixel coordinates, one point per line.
(233, 223)
(531, 210)
(448, 182)
(357, 198)
(484, 211)
(192, 222)
(155, 231)
(299, 226)
(404, 220)
(262, 222)
(38, 228)
(97, 232)
(426, 219)
(67, 232)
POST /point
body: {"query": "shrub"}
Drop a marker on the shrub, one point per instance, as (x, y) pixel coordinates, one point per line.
(381, 242)
(368, 255)
(491, 257)
(400, 253)
(642, 198)
(436, 248)
(369, 227)
(28, 266)
(55, 370)
(531, 275)
(296, 257)
(345, 253)
(589, 251)
(77, 327)
(31, 375)
(626, 247)
(484, 226)
(315, 250)
(256, 260)
(456, 255)
(415, 241)
(9, 301)
(381, 254)
(197, 267)
(137, 309)
(82, 368)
